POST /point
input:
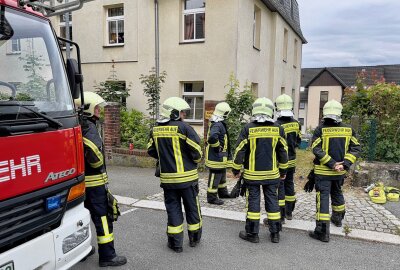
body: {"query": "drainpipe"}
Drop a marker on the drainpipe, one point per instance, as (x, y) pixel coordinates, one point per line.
(157, 46)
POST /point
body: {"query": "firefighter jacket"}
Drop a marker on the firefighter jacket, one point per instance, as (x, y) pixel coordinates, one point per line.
(177, 147)
(293, 137)
(334, 142)
(262, 150)
(95, 171)
(218, 154)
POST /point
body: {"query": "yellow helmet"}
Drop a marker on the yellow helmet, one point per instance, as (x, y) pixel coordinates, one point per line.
(222, 110)
(263, 106)
(284, 105)
(333, 109)
(172, 107)
(91, 100)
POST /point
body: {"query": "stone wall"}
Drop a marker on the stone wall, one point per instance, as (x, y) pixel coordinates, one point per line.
(112, 128)
(368, 173)
(131, 158)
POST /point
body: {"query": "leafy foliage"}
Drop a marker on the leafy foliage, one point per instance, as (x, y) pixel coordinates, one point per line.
(380, 104)
(241, 103)
(135, 128)
(152, 85)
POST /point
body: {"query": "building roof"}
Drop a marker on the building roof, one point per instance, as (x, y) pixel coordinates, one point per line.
(348, 75)
(289, 10)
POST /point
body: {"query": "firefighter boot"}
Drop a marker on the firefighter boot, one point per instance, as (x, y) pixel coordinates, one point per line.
(289, 209)
(213, 199)
(116, 261)
(337, 218)
(194, 238)
(251, 237)
(172, 244)
(274, 237)
(275, 226)
(321, 231)
(223, 193)
(283, 211)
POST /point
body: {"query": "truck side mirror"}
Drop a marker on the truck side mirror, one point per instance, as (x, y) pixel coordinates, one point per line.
(75, 79)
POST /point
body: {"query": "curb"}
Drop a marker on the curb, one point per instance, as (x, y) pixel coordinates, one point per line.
(299, 225)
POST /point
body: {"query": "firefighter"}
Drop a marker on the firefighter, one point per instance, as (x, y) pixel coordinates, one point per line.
(286, 194)
(96, 178)
(336, 148)
(262, 150)
(218, 154)
(176, 146)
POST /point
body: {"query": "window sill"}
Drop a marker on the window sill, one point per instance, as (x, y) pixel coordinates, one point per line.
(195, 122)
(257, 49)
(13, 53)
(191, 42)
(113, 45)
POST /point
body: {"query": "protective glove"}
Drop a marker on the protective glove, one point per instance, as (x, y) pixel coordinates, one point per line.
(309, 186)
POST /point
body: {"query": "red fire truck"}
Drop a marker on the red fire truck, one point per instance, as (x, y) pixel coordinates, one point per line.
(43, 223)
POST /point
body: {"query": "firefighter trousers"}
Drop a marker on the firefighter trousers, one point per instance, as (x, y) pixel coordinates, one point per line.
(253, 197)
(286, 192)
(173, 202)
(326, 186)
(217, 184)
(96, 203)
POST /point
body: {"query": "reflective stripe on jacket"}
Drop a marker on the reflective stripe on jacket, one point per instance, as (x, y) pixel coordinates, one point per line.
(293, 137)
(217, 150)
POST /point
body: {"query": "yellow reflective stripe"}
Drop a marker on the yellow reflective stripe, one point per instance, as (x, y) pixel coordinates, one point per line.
(247, 200)
(261, 175)
(284, 143)
(224, 185)
(317, 141)
(225, 143)
(324, 170)
(281, 202)
(97, 164)
(283, 165)
(318, 195)
(95, 183)
(214, 144)
(253, 215)
(290, 198)
(252, 158)
(216, 164)
(354, 140)
(350, 157)
(240, 146)
(324, 217)
(292, 163)
(338, 208)
(175, 230)
(177, 175)
(236, 166)
(199, 210)
(274, 143)
(179, 180)
(195, 146)
(96, 177)
(96, 180)
(325, 159)
(94, 148)
(274, 216)
(177, 154)
(108, 237)
(210, 188)
(194, 227)
(150, 143)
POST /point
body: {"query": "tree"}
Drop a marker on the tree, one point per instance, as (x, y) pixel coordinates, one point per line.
(152, 85)
(241, 104)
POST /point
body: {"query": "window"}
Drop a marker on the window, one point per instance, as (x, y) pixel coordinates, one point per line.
(14, 46)
(295, 56)
(193, 93)
(194, 20)
(115, 26)
(282, 90)
(285, 44)
(63, 26)
(302, 105)
(301, 120)
(322, 100)
(256, 27)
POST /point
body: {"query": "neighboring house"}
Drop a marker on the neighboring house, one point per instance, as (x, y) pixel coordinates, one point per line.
(200, 43)
(319, 85)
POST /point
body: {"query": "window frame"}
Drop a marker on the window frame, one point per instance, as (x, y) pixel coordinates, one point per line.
(302, 107)
(193, 95)
(285, 45)
(114, 19)
(10, 49)
(193, 12)
(257, 28)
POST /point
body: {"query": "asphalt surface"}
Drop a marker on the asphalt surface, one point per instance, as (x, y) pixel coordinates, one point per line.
(393, 207)
(140, 235)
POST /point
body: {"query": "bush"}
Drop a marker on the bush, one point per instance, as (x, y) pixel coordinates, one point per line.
(135, 128)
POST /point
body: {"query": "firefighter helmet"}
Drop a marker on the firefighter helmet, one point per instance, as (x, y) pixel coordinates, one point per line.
(172, 107)
(91, 100)
(222, 110)
(263, 106)
(333, 110)
(284, 105)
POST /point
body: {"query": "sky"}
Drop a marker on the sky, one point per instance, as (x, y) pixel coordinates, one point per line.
(350, 32)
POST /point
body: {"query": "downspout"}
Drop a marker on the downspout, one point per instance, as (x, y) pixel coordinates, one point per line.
(157, 47)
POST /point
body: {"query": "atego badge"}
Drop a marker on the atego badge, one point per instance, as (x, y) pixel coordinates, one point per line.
(58, 175)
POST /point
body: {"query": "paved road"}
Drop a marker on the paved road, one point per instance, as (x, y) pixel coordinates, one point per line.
(393, 207)
(140, 235)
